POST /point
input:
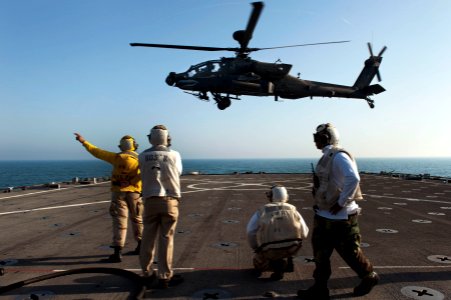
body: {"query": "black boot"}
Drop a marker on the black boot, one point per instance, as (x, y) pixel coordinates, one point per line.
(278, 266)
(315, 292)
(289, 268)
(367, 284)
(137, 249)
(148, 281)
(116, 257)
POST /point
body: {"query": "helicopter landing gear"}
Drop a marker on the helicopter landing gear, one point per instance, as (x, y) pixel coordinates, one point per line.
(221, 101)
(224, 103)
(203, 96)
(370, 102)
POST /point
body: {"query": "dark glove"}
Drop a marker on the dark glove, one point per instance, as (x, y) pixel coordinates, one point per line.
(315, 181)
(315, 184)
(335, 208)
(315, 208)
(313, 191)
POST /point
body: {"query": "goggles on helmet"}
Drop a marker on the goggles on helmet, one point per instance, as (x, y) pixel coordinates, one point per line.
(322, 133)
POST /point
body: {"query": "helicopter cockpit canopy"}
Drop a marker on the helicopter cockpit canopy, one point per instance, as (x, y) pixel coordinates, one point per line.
(236, 67)
(204, 69)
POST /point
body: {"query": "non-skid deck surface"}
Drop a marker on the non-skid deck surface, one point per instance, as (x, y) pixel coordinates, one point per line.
(406, 228)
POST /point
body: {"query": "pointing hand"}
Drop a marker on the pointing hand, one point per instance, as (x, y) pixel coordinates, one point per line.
(79, 138)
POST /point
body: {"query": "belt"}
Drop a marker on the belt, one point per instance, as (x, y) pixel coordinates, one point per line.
(336, 220)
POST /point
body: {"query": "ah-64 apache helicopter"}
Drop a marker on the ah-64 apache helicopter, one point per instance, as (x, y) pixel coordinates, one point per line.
(241, 75)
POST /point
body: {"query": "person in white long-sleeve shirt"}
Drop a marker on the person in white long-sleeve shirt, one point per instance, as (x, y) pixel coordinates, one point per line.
(161, 168)
(275, 233)
(336, 189)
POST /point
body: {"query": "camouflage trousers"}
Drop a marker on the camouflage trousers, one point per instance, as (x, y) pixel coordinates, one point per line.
(263, 259)
(124, 205)
(344, 237)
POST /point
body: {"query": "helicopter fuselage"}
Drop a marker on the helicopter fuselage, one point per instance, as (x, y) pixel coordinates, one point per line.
(240, 75)
(244, 76)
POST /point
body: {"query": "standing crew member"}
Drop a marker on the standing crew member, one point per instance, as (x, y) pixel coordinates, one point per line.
(335, 192)
(126, 192)
(161, 168)
(275, 232)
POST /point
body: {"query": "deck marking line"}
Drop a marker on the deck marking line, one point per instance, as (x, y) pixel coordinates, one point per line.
(52, 207)
(408, 199)
(54, 190)
(404, 267)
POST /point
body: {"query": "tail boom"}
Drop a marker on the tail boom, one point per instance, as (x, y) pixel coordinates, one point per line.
(370, 69)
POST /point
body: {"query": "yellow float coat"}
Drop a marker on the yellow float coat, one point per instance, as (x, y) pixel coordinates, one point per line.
(126, 176)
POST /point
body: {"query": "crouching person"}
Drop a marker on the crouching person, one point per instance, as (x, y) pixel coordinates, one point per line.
(275, 233)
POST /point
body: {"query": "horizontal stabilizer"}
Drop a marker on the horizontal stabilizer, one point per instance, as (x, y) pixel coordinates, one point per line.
(373, 89)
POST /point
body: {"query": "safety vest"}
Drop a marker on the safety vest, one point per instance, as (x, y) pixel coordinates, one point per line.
(279, 226)
(125, 176)
(328, 192)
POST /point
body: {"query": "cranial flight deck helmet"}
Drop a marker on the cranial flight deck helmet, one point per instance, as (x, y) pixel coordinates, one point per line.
(159, 136)
(326, 134)
(128, 143)
(277, 193)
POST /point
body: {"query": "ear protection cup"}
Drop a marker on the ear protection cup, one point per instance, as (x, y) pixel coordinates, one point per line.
(129, 137)
(322, 138)
(156, 136)
(322, 134)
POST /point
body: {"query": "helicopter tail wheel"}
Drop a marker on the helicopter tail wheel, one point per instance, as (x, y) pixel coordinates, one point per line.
(370, 102)
(224, 103)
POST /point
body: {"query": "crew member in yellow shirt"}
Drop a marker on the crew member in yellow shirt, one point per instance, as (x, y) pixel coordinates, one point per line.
(125, 192)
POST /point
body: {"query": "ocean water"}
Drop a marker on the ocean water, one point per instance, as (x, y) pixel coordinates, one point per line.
(28, 173)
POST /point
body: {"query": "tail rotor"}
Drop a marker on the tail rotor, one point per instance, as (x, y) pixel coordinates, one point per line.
(377, 59)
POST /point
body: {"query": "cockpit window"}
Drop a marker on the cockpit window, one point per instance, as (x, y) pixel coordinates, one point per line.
(204, 69)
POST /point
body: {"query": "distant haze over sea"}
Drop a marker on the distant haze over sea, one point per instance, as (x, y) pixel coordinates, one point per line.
(27, 173)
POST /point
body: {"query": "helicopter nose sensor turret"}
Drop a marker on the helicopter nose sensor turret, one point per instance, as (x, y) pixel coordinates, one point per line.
(170, 80)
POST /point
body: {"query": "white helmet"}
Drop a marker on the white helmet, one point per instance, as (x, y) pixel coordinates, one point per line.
(278, 193)
(327, 132)
(159, 136)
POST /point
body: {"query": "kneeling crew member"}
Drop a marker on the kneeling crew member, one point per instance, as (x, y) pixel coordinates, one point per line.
(275, 232)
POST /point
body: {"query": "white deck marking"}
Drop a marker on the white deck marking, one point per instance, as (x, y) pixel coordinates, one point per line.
(234, 186)
(138, 270)
(54, 190)
(409, 199)
(51, 207)
(404, 267)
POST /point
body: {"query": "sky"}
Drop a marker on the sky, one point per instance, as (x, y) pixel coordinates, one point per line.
(66, 66)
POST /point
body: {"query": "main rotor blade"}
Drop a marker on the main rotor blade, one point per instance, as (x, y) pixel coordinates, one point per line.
(255, 15)
(201, 48)
(382, 51)
(370, 49)
(379, 78)
(301, 45)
